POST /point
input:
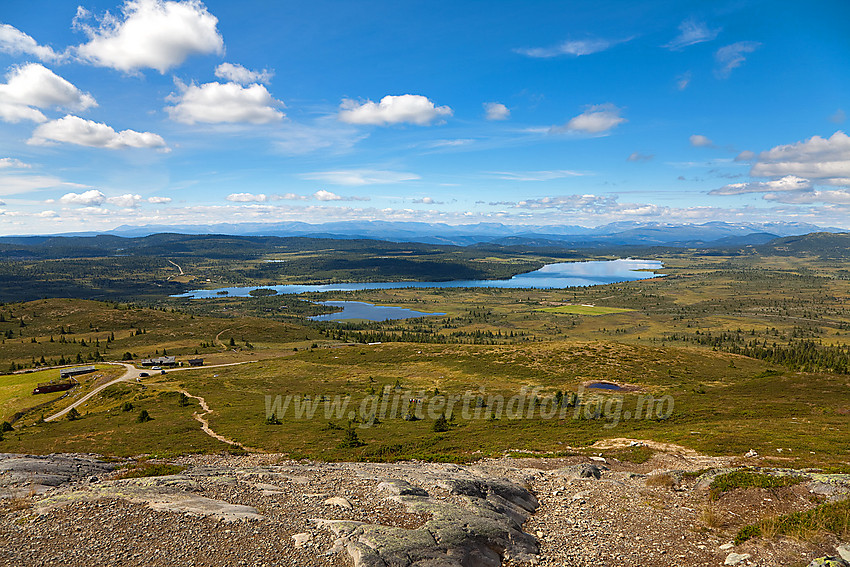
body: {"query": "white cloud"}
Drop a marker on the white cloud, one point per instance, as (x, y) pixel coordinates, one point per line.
(90, 198)
(815, 158)
(127, 201)
(48, 214)
(12, 163)
(322, 195)
(496, 111)
(293, 197)
(731, 56)
(33, 85)
(360, 177)
(836, 197)
(236, 73)
(413, 109)
(700, 141)
(574, 48)
(746, 155)
(838, 116)
(224, 102)
(535, 175)
(246, 198)
(428, 201)
(76, 130)
(16, 42)
(159, 200)
(787, 183)
(597, 119)
(152, 34)
(637, 156)
(16, 184)
(692, 32)
(683, 80)
(587, 202)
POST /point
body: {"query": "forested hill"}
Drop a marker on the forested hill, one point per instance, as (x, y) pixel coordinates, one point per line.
(825, 245)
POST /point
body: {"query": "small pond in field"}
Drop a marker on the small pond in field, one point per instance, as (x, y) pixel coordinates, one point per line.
(604, 386)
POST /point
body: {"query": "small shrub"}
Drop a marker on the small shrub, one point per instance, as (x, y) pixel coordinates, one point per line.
(144, 416)
(272, 420)
(127, 406)
(73, 414)
(183, 400)
(746, 533)
(748, 479)
(351, 439)
(6, 427)
(441, 424)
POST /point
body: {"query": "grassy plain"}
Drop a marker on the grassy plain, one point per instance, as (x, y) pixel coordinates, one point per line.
(679, 336)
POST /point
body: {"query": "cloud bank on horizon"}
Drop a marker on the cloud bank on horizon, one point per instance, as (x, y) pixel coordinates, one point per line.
(190, 112)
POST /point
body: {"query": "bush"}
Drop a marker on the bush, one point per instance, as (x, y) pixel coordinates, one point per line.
(351, 439)
(143, 416)
(441, 424)
(127, 406)
(272, 420)
(748, 479)
(6, 427)
(183, 400)
(73, 414)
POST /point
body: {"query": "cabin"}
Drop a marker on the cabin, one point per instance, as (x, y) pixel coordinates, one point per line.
(196, 361)
(76, 371)
(160, 361)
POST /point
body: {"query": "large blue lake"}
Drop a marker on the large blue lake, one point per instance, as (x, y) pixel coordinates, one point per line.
(368, 311)
(550, 276)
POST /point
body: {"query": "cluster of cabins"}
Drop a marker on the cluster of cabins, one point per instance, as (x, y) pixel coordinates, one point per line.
(67, 380)
(170, 361)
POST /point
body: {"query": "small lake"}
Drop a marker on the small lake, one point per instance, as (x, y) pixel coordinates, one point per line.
(368, 311)
(604, 386)
(550, 276)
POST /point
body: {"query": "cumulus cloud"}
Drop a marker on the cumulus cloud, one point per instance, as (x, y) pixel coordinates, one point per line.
(572, 48)
(224, 102)
(597, 119)
(787, 183)
(238, 74)
(412, 109)
(153, 34)
(33, 85)
(700, 141)
(360, 177)
(691, 32)
(76, 130)
(428, 201)
(247, 198)
(637, 156)
(90, 198)
(815, 158)
(496, 111)
(127, 201)
(159, 200)
(586, 202)
(731, 56)
(16, 42)
(12, 163)
(322, 195)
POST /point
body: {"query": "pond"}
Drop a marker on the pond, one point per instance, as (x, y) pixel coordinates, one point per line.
(368, 311)
(604, 386)
(550, 276)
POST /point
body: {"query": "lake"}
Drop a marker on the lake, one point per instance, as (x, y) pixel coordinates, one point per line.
(368, 311)
(550, 276)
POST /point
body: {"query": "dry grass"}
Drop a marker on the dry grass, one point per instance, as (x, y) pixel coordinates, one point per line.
(710, 516)
(663, 480)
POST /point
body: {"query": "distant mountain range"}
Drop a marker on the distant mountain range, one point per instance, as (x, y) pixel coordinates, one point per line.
(710, 234)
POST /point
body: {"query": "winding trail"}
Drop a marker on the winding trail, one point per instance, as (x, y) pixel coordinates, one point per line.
(205, 425)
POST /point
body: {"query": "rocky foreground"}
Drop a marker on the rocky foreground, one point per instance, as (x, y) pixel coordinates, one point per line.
(262, 510)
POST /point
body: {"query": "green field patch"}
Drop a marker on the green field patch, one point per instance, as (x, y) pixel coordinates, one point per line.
(584, 310)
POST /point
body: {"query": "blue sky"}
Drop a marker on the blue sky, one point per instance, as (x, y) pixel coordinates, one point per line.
(527, 112)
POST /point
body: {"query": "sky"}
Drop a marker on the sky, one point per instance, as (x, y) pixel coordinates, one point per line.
(154, 112)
